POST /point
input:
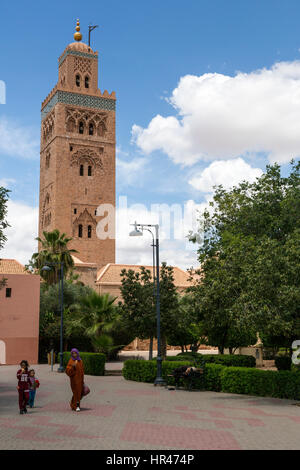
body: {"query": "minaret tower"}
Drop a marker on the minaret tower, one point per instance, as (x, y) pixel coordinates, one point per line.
(77, 163)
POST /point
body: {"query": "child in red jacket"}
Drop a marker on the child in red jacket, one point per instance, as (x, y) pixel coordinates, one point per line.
(23, 386)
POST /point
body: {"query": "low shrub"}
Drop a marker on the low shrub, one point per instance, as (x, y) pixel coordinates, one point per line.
(145, 371)
(249, 381)
(212, 377)
(283, 362)
(94, 363)
(229, 360)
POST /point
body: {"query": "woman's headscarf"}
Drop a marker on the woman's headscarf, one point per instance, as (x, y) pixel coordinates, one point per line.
(78, 358)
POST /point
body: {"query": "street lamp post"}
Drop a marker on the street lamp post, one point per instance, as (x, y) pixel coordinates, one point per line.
(48, 268)
(137, 232)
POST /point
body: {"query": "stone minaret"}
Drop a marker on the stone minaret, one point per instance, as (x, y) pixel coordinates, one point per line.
(77, 165)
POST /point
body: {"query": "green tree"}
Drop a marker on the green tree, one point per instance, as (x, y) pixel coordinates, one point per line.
(54, 250)
(138, 306)
(189, 331)
(250, 259)
(139, 303)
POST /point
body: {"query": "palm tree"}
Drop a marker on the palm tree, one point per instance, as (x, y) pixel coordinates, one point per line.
(54, 250)
(95, 316)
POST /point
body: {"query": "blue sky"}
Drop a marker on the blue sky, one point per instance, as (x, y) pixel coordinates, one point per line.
(233, 110)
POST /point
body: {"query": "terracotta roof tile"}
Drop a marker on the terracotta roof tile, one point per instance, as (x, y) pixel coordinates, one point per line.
(11, 266)
(110, 274)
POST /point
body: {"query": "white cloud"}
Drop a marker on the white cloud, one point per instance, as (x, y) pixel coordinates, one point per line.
(174, 247)
(223, 117)
(228, 173)
(7, 182)
(131, 173)
(175, 223)
(18, 141)
(21, 234)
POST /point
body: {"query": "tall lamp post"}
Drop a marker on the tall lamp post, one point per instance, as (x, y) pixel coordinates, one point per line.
(48, 268)
(138, 232)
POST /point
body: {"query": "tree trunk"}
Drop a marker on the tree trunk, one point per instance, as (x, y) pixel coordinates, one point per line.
(182, 348)
(230, 350)
(163, 347)
(151, 348)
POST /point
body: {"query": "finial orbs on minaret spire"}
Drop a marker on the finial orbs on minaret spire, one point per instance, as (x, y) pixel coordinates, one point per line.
(77, 35)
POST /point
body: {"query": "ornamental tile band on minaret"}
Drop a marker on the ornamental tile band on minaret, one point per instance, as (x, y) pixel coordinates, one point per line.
(77, 161)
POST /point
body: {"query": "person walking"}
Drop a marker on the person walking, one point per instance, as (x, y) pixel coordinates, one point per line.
(23, 386)
(75, 371)
(33, 385)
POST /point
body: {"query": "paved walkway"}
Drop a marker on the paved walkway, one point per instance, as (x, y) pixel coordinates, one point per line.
(125, 415)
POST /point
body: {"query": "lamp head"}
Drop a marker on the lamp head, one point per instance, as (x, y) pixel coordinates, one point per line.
(136, 232)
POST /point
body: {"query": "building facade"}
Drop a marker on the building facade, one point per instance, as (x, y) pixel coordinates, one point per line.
(77, 159)
(19, 314)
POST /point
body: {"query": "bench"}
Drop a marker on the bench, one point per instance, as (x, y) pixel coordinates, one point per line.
(190, 378)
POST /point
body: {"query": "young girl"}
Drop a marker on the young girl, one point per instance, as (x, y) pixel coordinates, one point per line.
(33, 385)
(23, 386)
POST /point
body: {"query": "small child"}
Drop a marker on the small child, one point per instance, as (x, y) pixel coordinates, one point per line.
(23, 386)
(33, 385)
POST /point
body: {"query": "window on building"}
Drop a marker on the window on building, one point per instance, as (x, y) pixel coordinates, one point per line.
(81, 128)
(75, 211)
(91, 129)
(89, 171)
(8, 292)
(80, 231)
(77, 80)
(89, 231)
(47, 160)
(81, 170)
(87, 82)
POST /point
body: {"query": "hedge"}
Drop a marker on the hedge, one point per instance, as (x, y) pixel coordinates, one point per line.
(264, 383)
(229, 360)
(145, 371)
(219, 378)
(94, 363)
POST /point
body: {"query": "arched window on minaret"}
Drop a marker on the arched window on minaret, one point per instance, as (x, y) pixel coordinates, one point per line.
(81, 127)
(87, 82)
(91, 129)
(80, 231)
(89, 170)
(48, 160)
(77, 80)
(89, 231)
(81, 171)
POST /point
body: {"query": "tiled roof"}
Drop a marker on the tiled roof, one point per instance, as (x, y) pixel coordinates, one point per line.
(11, 266)
(110, 274)
(78, 263)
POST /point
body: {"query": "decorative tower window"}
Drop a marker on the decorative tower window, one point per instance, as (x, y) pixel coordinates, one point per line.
(89, 231)
(91, 129)
(87, 82)
(77, 80)
(75, 211)
(89, 171)
(47, 160)
(80, 230)
(81, 170)
(81, 127)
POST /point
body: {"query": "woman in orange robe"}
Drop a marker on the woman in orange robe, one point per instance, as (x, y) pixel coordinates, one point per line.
(75, 371)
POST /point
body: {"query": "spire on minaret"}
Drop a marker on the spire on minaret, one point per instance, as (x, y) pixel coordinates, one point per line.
(77, 35)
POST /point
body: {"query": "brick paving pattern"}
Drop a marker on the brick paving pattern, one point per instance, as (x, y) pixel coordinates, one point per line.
(125, 415)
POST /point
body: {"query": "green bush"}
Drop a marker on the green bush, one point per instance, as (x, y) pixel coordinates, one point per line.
(94, 363)
(277, 384)
(283, 362)
(229, 360)
(145, 371)
(212, 377)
